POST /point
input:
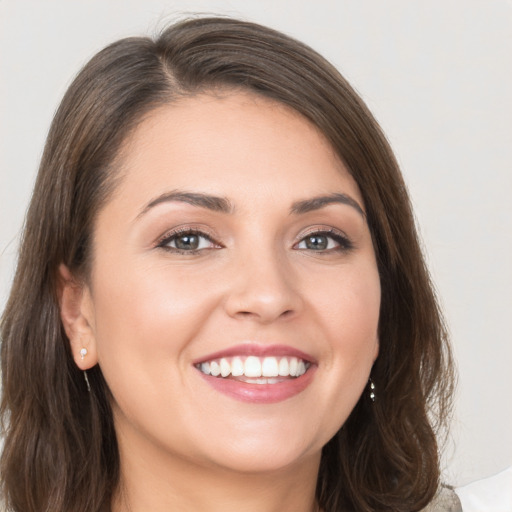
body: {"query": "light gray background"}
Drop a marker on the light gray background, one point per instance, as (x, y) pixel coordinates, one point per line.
(438, 76)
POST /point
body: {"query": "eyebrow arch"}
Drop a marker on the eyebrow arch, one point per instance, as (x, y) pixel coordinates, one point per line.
(214, 203)
(316, 203)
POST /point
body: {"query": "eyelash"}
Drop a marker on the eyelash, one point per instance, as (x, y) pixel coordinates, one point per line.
(344, 244)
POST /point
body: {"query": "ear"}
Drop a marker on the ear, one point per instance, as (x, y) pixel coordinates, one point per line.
(77, 316)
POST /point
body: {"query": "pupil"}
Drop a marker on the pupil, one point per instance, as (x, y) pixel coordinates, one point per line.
(317, 242)
(190, 242)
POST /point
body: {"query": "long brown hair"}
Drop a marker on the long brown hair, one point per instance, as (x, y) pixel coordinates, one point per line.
(60, 452)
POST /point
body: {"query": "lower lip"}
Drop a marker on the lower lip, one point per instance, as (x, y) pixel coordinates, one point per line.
(261, 393)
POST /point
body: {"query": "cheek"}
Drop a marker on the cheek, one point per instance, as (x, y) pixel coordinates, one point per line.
(348, 315)
(146, 317)
(348, 305)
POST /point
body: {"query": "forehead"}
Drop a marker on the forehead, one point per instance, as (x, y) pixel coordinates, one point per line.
(230, 144)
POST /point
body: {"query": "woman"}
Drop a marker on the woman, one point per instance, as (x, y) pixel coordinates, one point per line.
(220, 301)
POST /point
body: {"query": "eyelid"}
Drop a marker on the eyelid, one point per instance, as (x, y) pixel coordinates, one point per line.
(326, 230)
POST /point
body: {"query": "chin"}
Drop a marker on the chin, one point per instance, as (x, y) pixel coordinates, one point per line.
(257, 461)
(270, 450)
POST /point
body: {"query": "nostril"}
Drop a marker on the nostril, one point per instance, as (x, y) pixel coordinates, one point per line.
(284, 314)
(261, 300)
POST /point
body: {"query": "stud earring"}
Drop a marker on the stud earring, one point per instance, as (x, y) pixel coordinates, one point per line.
(83, 353)
(371, 385)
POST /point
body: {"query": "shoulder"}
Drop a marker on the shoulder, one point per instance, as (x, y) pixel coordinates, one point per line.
(445, 501)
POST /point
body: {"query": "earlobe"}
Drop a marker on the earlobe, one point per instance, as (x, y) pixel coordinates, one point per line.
(76, 314)
(376, 350)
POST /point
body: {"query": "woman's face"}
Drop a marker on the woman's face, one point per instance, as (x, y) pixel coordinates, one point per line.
(236, 242)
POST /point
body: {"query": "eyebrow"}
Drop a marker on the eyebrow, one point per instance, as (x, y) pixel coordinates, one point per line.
(224, 205)
(214, 203)
(316, 203)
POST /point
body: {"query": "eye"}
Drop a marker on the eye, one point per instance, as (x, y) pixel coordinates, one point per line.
(187, 241)
(325, 241)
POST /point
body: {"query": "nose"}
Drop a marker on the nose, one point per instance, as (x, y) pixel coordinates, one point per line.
(263, 289)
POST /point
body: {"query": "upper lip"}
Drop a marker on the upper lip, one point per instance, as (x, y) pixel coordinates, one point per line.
(254, 349)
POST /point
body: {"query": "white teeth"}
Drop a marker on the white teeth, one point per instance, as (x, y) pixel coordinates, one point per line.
(252, 367)
(284, 367)
(225, 367)
(237, 367)
(269, 367)
(293, 367)
(214, 368)
(262, 380)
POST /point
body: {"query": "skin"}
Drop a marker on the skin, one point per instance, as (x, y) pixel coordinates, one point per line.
(147, 312)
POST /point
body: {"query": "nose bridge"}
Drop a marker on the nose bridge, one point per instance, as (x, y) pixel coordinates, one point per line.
(263, 287)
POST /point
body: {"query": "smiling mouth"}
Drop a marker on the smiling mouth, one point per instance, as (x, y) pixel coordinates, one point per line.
(255, 370)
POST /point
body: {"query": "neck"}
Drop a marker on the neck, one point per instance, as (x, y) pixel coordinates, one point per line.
(160, 482)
